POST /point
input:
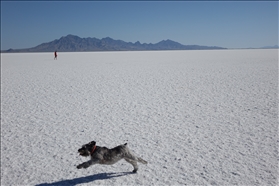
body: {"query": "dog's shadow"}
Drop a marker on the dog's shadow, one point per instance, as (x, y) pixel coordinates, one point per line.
(86, 179)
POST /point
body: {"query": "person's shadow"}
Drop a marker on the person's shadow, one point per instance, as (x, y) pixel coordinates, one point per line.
(86, 179)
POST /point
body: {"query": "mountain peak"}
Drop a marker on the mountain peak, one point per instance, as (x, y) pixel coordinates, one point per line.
(107, 38)
(71, 35)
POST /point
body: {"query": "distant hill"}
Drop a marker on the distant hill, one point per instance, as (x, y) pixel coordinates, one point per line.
(270, 47)
(71, 43)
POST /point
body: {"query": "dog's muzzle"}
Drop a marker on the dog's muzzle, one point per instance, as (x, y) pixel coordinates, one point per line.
(83, 152)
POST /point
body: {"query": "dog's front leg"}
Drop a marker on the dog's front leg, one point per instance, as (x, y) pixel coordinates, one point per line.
(86, 164)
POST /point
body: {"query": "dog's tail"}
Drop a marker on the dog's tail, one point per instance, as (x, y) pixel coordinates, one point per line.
(141, 160)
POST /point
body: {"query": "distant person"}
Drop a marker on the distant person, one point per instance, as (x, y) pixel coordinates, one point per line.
(55, 55)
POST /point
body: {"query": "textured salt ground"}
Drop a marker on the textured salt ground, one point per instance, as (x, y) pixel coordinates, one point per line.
(197, 117)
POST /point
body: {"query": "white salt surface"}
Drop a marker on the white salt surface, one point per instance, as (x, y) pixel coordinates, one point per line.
(197, 117)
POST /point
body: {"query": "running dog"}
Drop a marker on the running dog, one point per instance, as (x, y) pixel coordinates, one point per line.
(103, 155)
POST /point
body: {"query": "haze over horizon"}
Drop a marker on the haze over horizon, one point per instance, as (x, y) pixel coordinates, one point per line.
(224, 24)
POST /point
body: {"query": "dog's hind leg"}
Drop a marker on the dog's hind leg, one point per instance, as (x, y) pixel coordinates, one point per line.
(141, 160)
(132, 157)
(134, 163)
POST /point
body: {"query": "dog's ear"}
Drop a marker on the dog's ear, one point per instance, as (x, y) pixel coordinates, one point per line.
(92, 143)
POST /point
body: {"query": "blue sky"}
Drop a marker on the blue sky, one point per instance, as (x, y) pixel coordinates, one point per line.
(230, 24)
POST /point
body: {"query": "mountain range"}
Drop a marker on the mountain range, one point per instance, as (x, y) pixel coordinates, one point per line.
(72, 43)
(270, 47)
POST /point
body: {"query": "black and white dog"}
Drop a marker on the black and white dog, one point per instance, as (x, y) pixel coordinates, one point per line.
(103, 155)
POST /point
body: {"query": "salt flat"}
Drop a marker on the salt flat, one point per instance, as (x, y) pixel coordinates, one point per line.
(197, 117)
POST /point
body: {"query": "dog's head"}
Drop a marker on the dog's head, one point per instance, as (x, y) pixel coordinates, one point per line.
(87, 149)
